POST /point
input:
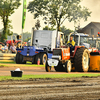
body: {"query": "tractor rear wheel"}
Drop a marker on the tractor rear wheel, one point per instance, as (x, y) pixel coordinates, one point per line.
(68, 66)
(47, 67)
(81, 60)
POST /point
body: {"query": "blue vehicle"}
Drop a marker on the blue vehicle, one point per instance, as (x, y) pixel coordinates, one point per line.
(42, 44)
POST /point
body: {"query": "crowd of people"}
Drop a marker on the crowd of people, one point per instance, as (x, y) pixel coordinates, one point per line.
(11, 48)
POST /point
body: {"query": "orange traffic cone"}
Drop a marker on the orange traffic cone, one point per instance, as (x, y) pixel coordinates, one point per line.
(38, 62)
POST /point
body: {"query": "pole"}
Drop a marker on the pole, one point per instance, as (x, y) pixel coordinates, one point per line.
(32, 36)
(57, 37)
(22, 38)
(23, 18)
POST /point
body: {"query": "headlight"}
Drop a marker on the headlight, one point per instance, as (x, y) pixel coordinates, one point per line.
(56, 57)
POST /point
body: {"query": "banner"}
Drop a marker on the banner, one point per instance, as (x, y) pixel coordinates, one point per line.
(24, 14)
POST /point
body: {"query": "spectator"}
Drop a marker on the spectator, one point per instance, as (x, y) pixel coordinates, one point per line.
(23, 44)
(13, 40)
(15, 44)
(19, 46)
(1, 48)
(6, 47)
(13, 48)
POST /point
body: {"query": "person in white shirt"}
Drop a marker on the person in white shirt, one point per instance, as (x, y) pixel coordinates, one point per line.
(6, 47)
(13, 48)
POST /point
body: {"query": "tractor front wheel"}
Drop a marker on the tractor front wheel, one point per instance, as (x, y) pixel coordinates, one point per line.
(68, 66)
(47, 67)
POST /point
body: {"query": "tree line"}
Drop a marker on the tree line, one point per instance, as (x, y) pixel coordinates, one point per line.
(53, 12)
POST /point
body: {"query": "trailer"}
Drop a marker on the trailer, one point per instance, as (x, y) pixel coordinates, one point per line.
(94, 61)
(42, 44)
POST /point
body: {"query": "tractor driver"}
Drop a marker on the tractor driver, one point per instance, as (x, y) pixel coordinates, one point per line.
(71, 44)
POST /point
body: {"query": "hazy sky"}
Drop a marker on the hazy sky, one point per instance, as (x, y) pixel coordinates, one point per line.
(93, 5)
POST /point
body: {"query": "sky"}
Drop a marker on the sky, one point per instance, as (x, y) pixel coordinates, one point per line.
(93, 5)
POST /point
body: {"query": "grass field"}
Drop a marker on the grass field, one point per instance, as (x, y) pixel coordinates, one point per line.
(11, 62)
(4, 63)
(27, 77)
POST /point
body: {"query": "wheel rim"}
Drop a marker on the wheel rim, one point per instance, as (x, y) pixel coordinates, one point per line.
(69, 66)
(44, 59)
(85, 60)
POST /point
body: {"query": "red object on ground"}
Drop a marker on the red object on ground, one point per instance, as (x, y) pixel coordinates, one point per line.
(38, 62)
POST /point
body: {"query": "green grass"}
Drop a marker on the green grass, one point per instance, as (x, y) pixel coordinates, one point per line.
(27, 64)
(26, 77)
(33, 65)
(4, 62)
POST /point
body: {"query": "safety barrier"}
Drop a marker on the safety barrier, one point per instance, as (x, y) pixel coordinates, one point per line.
(7, 56)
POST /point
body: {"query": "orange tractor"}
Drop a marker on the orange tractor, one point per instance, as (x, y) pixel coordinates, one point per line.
(62, 60)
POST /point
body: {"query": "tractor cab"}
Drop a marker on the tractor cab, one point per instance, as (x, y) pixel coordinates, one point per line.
(80, 39)
(94, 43)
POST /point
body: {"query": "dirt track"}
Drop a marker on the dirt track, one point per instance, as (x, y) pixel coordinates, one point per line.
(5, 70)
(84, 88)
(31, 70)
(51, 89)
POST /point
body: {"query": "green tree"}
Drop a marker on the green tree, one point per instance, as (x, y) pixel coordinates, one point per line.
(37, 24)
(50, 21)
(57, 10)
(48, 28)
(26, 36)
(77, 13)
(65, 30)
(7, 8)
